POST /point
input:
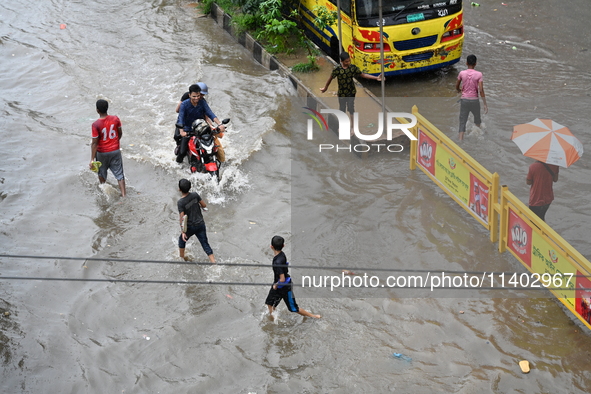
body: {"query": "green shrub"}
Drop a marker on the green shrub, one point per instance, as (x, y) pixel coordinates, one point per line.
(277, 30)
(309, 67)
(205, 6)
(252, 7)
(269, 23)
(246, 22)
(229, 6)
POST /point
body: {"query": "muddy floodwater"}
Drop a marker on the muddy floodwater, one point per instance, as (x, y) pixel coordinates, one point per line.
(162, 326)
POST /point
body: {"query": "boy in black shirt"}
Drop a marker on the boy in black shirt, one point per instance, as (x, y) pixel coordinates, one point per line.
(344, 73)
(281, 289)
(190, 205)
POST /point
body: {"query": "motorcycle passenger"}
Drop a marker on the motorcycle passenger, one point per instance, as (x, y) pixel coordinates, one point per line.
(190, 110)
(221, 155)
(185, 96)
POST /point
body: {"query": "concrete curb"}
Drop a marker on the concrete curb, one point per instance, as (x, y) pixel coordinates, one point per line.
(259, 53)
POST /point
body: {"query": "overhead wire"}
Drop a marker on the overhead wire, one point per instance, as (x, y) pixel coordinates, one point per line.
(292, 266)
(188, 282)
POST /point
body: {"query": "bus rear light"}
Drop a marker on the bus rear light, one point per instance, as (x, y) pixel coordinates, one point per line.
(370, 46)
(450, 35)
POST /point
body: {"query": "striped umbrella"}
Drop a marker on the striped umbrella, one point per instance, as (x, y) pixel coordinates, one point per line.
(548, 142)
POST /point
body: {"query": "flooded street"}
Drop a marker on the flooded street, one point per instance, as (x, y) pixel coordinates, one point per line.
(154, 334)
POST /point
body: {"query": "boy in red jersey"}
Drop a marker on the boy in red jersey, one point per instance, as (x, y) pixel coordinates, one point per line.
(106, 133)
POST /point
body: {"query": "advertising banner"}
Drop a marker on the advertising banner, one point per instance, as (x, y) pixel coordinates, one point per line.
(453, 175)
(519, 238)
(426, 150)
(583, 297)
(479, 198)
(546, 258)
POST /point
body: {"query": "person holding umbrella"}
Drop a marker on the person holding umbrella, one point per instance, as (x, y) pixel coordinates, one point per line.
(540, 177)
(552, 145)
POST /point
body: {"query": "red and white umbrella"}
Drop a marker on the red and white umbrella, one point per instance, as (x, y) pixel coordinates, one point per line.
(548, 142)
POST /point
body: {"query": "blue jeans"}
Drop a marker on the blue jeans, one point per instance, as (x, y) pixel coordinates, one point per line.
(201, 233)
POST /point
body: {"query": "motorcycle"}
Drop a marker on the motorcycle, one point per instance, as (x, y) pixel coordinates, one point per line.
(201, 148)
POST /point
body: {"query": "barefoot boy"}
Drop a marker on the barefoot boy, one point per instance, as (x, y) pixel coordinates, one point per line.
(106, 134)
(190, 205)
(281, 289)
(471, 84)
(344, 75)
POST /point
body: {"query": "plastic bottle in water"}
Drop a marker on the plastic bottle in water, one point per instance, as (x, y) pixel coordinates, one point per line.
(402, 357)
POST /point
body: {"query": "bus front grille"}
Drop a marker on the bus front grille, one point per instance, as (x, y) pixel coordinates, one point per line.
(415, 43)
(418, 57)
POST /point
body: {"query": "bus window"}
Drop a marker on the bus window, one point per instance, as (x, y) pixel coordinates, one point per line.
(418, 35)
(404, 11)
(365, 9)
(345, 6)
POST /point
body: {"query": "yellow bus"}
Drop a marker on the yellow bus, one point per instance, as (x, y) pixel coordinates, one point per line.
(419, 35)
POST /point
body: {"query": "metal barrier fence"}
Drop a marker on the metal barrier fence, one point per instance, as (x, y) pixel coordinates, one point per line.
(556, 264)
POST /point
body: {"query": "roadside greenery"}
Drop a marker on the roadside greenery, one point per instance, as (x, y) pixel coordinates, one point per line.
(325, 17)
(278, 31)
(274, 23)
(227, 5)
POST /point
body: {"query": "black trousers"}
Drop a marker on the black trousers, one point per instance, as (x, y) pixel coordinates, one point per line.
(177, 135)
(183, 149)
(540, 211)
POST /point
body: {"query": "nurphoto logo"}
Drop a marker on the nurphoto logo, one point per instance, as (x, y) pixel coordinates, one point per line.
(372, 142)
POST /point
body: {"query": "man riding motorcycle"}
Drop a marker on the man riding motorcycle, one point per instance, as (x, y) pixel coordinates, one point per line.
(198, 109)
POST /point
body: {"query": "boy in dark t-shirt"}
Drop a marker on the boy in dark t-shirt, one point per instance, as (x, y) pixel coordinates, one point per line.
(190, 205)
(344, 75)
(282, 289)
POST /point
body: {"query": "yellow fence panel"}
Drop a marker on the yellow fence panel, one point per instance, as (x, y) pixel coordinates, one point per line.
(560, 267)
(457, 173)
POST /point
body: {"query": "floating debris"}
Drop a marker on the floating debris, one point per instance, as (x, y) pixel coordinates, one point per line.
(402, 357)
